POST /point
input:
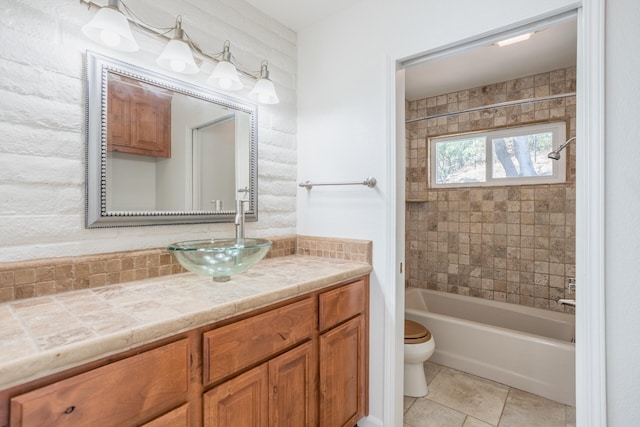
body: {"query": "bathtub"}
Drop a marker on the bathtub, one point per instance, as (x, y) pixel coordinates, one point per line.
(523, 347)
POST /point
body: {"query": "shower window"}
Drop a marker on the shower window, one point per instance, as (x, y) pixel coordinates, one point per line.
(506, 156)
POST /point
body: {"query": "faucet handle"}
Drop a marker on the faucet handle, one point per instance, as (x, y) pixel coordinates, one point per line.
(571, 285)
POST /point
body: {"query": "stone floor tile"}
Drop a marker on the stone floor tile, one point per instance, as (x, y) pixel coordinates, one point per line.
(571, 416)
(431, 370)
(472, 422)
(408, 401)
(526, 409)
(425, 413)
(471, 395)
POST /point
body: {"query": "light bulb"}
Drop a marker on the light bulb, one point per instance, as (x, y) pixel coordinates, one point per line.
(225, 76)
(178, 66)
(225, 83)
(177, 57)
(109, 38)
(264, 98)
(110, 27)
(264, 92)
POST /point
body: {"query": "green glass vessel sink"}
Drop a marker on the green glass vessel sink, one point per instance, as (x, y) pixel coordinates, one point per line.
(219, 258)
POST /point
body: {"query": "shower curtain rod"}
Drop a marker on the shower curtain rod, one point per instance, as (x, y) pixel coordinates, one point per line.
(498, 105)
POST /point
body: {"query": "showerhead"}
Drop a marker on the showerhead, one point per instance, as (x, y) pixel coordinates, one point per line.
(555, 154)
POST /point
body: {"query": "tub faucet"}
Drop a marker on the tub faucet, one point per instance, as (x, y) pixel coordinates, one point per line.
(563, 301)
(239, 221)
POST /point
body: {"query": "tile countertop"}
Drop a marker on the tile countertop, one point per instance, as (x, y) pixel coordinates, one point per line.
(44, 335)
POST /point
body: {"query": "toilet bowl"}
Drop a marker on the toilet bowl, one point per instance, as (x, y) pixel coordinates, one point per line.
(419, 345)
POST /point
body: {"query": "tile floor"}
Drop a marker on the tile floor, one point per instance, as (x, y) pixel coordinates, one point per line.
(458, 399)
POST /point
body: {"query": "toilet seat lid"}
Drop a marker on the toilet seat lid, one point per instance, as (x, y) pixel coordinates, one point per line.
(415, 333)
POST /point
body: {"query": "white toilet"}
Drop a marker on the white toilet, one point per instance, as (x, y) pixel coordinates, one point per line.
(418, 347)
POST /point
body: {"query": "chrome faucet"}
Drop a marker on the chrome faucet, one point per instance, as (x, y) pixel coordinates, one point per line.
(239, 221)
(571, 289)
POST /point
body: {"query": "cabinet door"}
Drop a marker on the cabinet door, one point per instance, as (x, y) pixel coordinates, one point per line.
(139, 119)
(343, 380)
(239, 402)
(150, 124)
(118, 116)
(291, 384)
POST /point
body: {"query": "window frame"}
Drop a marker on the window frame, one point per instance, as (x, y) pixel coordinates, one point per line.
(558, 129)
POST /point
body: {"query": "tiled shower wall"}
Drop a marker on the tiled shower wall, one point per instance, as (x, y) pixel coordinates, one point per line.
(510, 243)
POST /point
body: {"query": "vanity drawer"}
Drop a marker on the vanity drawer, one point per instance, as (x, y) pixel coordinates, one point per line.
(241, 344)
(337, 305)
(179, 417)
(126, 392)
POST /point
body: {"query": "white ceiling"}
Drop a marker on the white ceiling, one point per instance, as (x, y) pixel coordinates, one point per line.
(548, 49)
(299, 14)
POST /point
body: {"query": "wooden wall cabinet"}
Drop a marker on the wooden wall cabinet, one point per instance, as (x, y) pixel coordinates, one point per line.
(299, 363)
(139, 119)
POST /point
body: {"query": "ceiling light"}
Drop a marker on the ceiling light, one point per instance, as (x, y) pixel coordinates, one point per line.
(264, 92)
(225, 75)
(515, 39)
(177, 55)
(111, 28)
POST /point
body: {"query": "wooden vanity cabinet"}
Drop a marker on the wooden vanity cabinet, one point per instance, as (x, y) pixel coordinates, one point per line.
(139, 118)
(302, 362)
(276, 393)
(344, 356)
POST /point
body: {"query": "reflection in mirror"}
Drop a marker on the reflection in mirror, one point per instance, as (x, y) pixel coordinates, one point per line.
(161, 151)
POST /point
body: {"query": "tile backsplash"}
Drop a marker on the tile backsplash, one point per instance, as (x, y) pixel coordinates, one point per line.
(26, 279)
(510, 243)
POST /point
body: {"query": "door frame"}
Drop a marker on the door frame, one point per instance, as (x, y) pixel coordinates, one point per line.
(591, 407)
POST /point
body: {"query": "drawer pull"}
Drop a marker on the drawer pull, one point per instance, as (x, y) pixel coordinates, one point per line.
(69, 410)
(283, 336)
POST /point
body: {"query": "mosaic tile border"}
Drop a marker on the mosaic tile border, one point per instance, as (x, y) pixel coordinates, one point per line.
(41, 277)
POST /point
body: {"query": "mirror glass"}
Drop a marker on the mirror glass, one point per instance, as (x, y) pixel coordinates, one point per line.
(163, 151)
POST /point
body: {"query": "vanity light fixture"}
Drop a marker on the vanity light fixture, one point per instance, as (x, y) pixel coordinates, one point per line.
(264, 92)
(516, 39)
(110, 28)
(177, 55)
(225, 75)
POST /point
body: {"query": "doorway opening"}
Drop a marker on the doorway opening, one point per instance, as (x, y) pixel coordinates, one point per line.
(458, 240)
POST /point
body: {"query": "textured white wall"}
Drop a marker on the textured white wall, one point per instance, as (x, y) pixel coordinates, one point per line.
(42, 121)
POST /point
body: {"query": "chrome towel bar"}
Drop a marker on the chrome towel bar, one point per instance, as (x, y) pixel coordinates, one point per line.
(369, 182)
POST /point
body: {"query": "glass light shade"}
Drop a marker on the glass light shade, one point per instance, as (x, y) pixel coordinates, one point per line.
(110, 28)
(264, 92)
(177, 57)
(225, 76)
